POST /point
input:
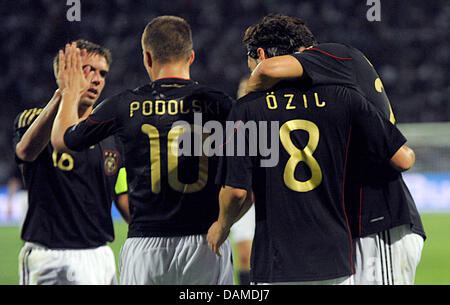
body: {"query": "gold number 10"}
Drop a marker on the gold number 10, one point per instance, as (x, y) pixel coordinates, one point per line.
(172, 160)
(304, 155)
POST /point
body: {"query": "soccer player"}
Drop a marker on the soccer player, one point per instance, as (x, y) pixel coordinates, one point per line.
(68, 221)
(302, 233)
(173, 197)
(382, 213)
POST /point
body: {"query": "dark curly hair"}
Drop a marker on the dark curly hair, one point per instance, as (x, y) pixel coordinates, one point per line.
(278, 35)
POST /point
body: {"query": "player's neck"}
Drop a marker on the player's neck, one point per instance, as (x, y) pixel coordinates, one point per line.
(84, 111)
(175, 70)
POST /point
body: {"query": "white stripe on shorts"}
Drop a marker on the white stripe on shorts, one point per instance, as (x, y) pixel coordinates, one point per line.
(384, 246)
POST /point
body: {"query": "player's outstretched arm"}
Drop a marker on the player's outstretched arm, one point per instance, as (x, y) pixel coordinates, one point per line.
(403, 159)
(37, 136)
(230, 200)
(272, 70)
(75, 84)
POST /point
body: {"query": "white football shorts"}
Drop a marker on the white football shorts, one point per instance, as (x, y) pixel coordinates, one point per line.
(244, 228)
(179, 260)
(388, 258)
(39, 265)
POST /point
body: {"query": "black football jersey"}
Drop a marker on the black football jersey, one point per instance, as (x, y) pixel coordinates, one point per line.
(302, 231)
(378, 196)
(169, 194)
(69, 195)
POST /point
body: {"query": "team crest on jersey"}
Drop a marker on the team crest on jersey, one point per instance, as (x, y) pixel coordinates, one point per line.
(111, 162)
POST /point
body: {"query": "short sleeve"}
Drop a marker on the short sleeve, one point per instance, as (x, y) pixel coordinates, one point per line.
(382, 138)
(327, 64)
(21, 124)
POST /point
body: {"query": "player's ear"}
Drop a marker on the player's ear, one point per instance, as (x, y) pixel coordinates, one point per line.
(191, 57)
(147, 58)
(261, 54)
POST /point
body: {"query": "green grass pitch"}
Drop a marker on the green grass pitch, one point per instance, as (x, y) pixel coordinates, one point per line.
(434, 267)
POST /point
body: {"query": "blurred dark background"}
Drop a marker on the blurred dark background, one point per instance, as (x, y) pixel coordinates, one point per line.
(409, 47)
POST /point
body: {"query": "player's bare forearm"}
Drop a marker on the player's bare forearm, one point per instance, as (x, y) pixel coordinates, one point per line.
(403, 159)
(246, 205)
(272, 70)
(66, 117)
(37, 136)
(230, 202)
(122, 204)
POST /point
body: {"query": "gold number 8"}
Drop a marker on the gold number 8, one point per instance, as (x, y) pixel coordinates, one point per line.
(298, 155)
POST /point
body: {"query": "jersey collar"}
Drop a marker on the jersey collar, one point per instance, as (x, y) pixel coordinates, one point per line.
(172, 81)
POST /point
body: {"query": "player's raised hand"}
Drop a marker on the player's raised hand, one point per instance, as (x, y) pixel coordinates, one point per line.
(71, 76)
(60, 78)
(217, 235)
